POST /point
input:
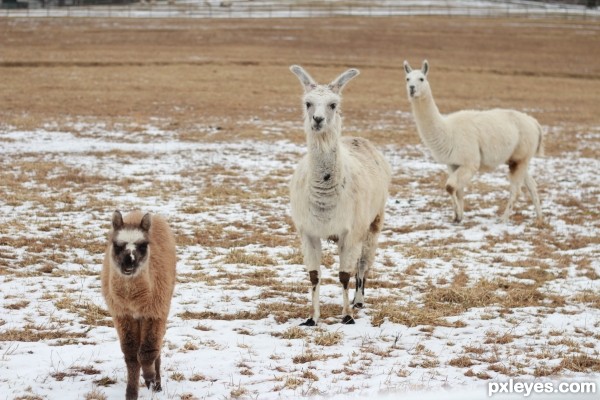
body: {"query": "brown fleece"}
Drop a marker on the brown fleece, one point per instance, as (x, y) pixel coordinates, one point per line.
(139, 305)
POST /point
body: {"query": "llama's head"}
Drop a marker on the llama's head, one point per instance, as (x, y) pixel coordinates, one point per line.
(321, 103)
(129, 244)
(416, 81)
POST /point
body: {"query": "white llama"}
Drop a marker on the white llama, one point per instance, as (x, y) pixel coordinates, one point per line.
(468, 141)
(338, 192)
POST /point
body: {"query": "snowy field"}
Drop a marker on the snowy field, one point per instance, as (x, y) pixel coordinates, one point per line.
(449, 309)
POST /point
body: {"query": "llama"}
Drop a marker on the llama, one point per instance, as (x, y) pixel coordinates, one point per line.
(469, 141)
(338, 192)
(138, 277)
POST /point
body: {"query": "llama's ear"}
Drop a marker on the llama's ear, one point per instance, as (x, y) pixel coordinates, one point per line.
(308, 83)
(425, 67)
(146, 221)
(338, 83)
(117, 220)
(407, 68)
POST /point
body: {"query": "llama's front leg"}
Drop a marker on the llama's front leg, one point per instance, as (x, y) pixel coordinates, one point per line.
(459, 178)
(311, 250)
(128, 330)
(157, 383)
(152, 331)
(348, 260)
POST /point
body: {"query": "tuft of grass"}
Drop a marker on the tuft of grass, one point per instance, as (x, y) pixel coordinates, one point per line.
(294, 332)
(581, 363)
(177, 376)
(324, 338)
(35, 333)
(461, 362)
(18, 305)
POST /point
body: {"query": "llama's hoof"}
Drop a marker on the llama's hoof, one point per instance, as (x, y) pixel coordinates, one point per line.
(358, 305)
(347, 320)
(157, 387)
(149, 382)
(309, 322)
(131, 393)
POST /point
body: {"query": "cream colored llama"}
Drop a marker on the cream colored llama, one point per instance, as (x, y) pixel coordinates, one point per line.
(469, 141)
(138, 277)
(338, 192)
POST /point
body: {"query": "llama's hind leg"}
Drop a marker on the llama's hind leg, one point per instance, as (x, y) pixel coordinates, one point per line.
(128, 330)
(311, 250)
(532, 188)
(516, 175)
(366, 260)
(152, 331)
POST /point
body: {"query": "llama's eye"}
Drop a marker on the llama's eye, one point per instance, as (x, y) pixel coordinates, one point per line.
(142, 247)
(308, 104)
(422, 79)
(333, 106)
(407, 79)
(118, 247)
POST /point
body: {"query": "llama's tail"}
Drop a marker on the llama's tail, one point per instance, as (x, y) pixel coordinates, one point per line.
(540, 147)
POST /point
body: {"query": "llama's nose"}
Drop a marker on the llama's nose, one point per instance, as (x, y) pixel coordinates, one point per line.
(318, 120)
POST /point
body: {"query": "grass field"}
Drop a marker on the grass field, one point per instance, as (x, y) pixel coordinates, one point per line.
(200, 120)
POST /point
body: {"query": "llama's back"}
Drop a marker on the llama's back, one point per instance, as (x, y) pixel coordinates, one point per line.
(501, 134)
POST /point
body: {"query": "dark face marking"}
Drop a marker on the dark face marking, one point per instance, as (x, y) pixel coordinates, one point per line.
(128, 257)
(130, 243)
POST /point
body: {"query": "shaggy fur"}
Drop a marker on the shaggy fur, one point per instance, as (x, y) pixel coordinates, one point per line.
(338, 191)
(469, 141)
(139, 303)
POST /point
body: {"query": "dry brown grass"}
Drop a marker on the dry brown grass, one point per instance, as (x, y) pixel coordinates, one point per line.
(111, 76)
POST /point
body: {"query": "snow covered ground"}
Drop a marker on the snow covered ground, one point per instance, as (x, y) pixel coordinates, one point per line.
(450, 307)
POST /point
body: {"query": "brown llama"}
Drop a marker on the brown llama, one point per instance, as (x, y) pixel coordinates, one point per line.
(138, 277)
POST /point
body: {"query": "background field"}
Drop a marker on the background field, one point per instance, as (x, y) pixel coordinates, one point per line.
(200, 120)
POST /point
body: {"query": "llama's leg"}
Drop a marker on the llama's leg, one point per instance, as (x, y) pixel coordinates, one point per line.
(128, 330)
(151, 332)
(516, 175)
(460, 198)
(349, 255)
(311, 250)
(455, 185)
(366, 259)
(157, 384)
(532, 188)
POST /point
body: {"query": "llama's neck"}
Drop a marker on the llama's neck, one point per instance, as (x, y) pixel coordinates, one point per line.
(431, 126)
(325, 177)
